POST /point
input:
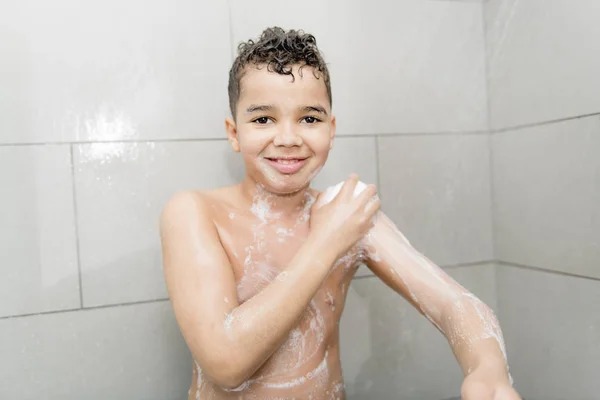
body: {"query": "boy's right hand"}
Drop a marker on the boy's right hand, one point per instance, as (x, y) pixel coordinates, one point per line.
(346, 219)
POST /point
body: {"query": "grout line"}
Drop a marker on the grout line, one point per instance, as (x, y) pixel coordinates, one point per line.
(185, 140)
(40, 313)
(85, 308)
(377, 170)
(492, 176)
(76, 219)
(362, 135)
(24, 144)
(488, 105)
(400, 134)
(449, 266)
(499, 299)
(131, 303)
(231, 42)
(549, 271)
(438, 133)
(542, 123)
(491, 173)
(487, 69)
(467, 264)
(371, 275)
(507, 263)
(133, 141)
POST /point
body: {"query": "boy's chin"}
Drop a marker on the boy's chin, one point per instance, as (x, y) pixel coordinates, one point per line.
(285, 185)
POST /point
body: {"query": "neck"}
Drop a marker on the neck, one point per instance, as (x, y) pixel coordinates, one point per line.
(268, 205)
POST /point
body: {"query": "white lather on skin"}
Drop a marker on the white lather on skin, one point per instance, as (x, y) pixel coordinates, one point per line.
(422, 278)
(299, 352)
(473, 320)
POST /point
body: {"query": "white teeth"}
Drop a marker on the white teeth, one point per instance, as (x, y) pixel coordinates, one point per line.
(282, 161)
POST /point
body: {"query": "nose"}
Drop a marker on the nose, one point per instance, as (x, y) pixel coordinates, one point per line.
(287, 136)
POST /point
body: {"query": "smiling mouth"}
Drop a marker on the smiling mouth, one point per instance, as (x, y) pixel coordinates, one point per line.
(287, 165)
(285, 160)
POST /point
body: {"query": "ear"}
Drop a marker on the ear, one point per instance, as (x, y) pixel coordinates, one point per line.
(232, 137)
(332, 131)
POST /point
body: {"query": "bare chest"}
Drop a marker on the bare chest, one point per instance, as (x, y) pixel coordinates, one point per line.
(260, 249)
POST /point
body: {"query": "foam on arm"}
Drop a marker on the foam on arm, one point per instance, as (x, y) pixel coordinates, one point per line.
(468, 323)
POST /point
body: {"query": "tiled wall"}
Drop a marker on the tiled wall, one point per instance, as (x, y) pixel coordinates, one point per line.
(107, 108)
(392, 351)
(543, 58)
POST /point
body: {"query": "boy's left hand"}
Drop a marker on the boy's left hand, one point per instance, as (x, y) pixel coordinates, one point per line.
(481, 385)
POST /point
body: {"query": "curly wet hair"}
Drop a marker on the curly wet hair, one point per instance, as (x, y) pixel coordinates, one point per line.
(279, 51)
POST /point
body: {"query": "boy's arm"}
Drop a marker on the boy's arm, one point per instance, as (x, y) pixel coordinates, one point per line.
(469, 325)
(231, 341)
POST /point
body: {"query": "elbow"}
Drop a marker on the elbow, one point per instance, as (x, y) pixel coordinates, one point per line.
(229, 381)
(226, 371)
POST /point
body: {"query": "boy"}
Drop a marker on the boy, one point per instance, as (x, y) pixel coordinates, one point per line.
(258, 272)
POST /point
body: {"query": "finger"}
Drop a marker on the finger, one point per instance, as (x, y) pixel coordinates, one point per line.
(347, 190)
(372, 207)
(367, 194)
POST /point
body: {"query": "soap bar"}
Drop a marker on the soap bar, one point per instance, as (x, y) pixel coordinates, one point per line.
(332, 191)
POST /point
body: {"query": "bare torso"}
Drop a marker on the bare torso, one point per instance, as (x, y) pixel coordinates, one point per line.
(260, 244)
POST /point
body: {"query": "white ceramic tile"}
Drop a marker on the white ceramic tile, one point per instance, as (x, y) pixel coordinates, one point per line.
(350, 154)
(551, 326)
(121, 190)
(39, 269)
(130, 352)
(437, 190)
(389, 350)
(111, 70)
(543, 60)
(547, 196)
(397, 66)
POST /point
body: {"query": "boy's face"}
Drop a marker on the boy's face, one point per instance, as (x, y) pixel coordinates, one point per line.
(284, 129)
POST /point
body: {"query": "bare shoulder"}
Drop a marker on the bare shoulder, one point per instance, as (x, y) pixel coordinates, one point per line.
(184, 206)
(194, 206)
(188, 228)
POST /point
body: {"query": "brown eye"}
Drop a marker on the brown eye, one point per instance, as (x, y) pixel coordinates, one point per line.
(261, 120)
(311, 120)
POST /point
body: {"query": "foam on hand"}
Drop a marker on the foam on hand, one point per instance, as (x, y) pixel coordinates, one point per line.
(332, 191)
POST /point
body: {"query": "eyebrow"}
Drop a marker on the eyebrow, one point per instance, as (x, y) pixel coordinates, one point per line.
(259, 107)
(316, 108)
(268, 107)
